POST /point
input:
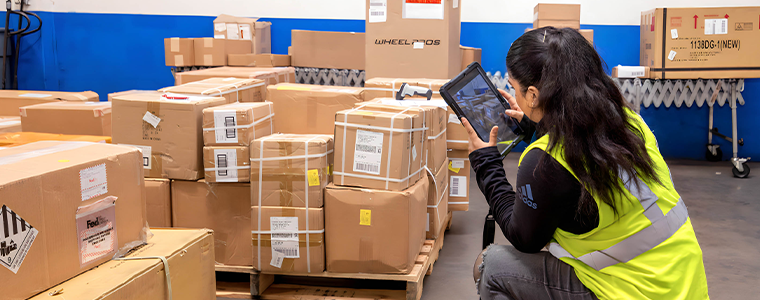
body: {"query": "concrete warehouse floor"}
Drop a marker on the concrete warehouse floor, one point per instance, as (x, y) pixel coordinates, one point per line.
(724, 210)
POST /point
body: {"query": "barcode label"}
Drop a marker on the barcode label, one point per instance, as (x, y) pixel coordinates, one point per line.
(225, 122)
(377, 11)
(288, 248)
(374, 169)
(716, 26)
(285, 236)
(458, 186)
(224, 160)
(230, 122)
(368, 152)
(637, 73)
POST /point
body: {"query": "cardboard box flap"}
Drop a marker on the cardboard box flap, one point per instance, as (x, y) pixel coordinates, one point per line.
(51, 95)
(166, 100)
(214, 86)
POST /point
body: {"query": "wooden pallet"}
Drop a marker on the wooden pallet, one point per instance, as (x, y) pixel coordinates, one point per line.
(334, 286)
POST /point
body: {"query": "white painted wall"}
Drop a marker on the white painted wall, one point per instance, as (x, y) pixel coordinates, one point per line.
(603, 12)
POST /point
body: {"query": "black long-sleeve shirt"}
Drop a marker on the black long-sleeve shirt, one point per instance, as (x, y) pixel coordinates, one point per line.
(547, 198)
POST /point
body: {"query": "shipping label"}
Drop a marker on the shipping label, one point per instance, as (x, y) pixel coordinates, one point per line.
(284, 236)
(16, 237)
(423, 9)
(225, 163)
(96, 230)
(146, 154)
(716, 26)
(225, 122)
(368, 152)
(93, 181)
(378, 11)
(458, 186)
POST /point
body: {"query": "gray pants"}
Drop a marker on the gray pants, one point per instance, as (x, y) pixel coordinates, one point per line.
(508, 274)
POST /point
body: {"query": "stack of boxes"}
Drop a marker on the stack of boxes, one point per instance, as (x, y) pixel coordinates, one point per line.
(560, 16)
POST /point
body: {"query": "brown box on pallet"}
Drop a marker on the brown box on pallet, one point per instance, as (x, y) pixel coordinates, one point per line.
(80, 118)
(237, 123)
(213, 52)
(258, 60)
(375, 149)
(224, 208)
(692, 43)
(470, 55)
(374, 231)
(291, 233)
(158, 202)
(10, 124)
(271, 76)
(381, 87)
(234, 89)
(418, 40)
(291, 169)
(249, 29)
(226, 164)
(438, 201)
(557, 15)
(179, 52)
(459, 180)
(70, 207)
(189, 253)
(310, 109)
(11, 101)
(328, 49)
(167, 131)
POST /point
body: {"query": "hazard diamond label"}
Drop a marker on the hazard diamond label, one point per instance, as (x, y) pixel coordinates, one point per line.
(16, 237)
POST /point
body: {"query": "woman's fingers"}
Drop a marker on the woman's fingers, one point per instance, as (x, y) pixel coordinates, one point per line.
(470, 131)
(517, 115)
(494, 136)
(511, 100)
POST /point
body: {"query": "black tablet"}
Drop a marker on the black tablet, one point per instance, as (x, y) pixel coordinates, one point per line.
(471, 95)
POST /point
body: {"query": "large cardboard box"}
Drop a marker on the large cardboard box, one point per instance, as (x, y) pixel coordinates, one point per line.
(291, 169)
(67, 207)
(470, 55)
(224, 208)
(381, 87)
(249, 29)
(574, 24)
(310, 109)
(213, 52)
(417, 39)
(15, 139)
(158, 202)
(691, 43)
(375, 149)
(328, 49)
(456, 135)
(438, 201)
(630, 72)
(68, 117)
(227, 164)
(294, 235)
(588, 34)
(374, 231)
(179, 52)
(168, 131)
(258, 60)
(234, 89)
(141, 275)
(10, 124)
(557, 15)
(11, 101)
(459, 185)
(237, 123)
(270, 75)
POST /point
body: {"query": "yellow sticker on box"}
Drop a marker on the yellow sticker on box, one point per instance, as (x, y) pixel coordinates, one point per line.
(366, 113)
(293, 88)
(365, 217)
(455, 170)
(313, 177)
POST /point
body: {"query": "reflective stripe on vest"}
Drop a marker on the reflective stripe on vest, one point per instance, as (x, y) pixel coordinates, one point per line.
(663, 227)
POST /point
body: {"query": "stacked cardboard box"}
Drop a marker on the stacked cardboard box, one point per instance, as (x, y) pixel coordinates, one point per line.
(459, 174)
(179, 52)
(328, 50)
(470, 55)
(271, 76)
(232, 28)
(258, 60)
(158, 202)
(15, 139)
(11, 101)
(560, 16)
(310, 109)
(234, 89)
(68, 117)
(289, 174)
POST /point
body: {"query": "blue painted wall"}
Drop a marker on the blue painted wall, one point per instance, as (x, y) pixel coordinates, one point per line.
(108, 53)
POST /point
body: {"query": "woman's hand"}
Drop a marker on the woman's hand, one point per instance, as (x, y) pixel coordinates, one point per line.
(515, 111)
(475, 141)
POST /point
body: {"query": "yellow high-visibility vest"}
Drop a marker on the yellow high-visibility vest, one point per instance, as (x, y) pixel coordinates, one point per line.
(647, 251)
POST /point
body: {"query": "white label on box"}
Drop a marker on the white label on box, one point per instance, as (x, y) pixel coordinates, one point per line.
(418, 45)
(16, 237)
(368, 153)
(674, 33)
(245, 31)
(33, 95)
(93, 181)
(284, 228)
(146, 153)
(220, 27)
(287, 248)
(233, 33)
(224, 124)
(219, 36)
(225, 161)
(378, 11)
(716, 26)
(179, 60)
(456, 3)
(631, 72)
(457, 163)
(151, 119)
(414, 152)
(422, 9)
(95, 229)
(454, 119)
(277, 258)
(672, 55)
(458, 186)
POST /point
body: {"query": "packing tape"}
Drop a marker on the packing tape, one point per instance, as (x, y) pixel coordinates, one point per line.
(208, 59)
(258, 247)
(174, 44)
(179, 60)
(166, 270)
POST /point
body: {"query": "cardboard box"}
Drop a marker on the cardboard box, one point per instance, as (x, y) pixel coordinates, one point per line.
(588, 34)
(191, 263)
(692, 43)
(328, 49)
(374, 231)
(237, 28)
(167, 131)
(456, 135)
(298, 239)
(380, 87)
(375, 149)
(179, 52)
(69, 117)
(291, 169)
(630, 72)
(459, 185)
(310, 109)
(213, 52)
(70, 207)
(413, 40)
(227, 164)
(470, 55)
(158, 202)
(545, 11)
(574, 24)
(12, 100)
(15, 139)
(234, 89)
(237, 123)
(224, 208)
(271, 76)
(258, 60)
(438, 201)
(10, 124)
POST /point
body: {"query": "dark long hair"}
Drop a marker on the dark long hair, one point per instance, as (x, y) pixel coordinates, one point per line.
(583, 110)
